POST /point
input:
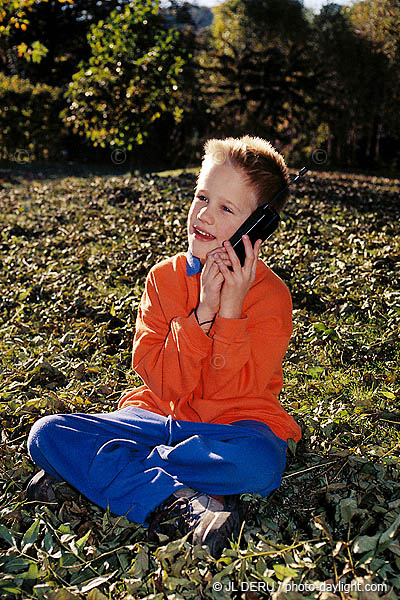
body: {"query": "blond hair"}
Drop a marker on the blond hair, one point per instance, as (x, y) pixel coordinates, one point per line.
(263, 166)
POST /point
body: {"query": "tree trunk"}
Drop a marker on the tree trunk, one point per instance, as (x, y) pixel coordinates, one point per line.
(378, 140)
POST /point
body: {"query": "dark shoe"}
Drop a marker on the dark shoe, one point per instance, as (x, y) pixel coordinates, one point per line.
(210, 522)
(46, 488)
(40, 488)
(216, 527)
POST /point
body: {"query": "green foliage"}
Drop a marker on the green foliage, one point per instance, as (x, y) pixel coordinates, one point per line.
(52, 23)
(144, 79)
(346, 50)
(29, 124)
(379, 22)
(132, 78)
(74, 256)
(256, 67)
(34, 54)
(15, 15)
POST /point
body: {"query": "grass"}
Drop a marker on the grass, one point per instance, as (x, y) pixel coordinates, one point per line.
(74, 255)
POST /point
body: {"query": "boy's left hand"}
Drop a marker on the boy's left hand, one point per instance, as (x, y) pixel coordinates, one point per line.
(237, 282)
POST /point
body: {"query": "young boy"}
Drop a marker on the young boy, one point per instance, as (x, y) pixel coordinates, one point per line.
(210, 337)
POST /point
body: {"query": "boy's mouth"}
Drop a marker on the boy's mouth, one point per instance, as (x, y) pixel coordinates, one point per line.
(203, 236)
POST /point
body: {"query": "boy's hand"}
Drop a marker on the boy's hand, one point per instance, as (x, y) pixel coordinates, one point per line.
(211, 280)
(237, 282)
(221, 253)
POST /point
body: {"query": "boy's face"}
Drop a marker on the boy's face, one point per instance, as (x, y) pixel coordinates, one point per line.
(223, 200)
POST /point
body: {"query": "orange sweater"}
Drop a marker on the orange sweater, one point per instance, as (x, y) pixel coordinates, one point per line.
(233, 373)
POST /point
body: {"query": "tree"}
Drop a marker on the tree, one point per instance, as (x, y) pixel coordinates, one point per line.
(49, 28)
(15, 15)
(134, 76)
(258, 72)
(353, 96)
(38, 56)
(377, 23)
(28, 111)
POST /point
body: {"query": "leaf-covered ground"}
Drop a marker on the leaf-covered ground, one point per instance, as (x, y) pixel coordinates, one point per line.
(74, 256)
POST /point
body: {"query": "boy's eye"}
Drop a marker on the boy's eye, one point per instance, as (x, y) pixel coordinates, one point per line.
(204, 199)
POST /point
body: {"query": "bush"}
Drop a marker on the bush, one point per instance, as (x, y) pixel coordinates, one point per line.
(30, 128)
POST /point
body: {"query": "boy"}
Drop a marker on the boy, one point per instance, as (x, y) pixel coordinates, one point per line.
(209, 342)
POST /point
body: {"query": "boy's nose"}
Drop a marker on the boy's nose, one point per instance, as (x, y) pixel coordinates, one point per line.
(205, 214)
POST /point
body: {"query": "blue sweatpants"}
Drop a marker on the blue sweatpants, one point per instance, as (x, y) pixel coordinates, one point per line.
(132, 459)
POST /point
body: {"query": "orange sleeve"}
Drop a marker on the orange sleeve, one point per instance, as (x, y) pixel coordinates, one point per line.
(168, 355)
(247, 352)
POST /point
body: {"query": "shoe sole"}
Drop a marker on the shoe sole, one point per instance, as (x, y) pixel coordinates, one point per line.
(214, 531)
(40, 488)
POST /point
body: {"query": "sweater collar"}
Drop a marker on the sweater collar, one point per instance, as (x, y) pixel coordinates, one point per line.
(193, 264)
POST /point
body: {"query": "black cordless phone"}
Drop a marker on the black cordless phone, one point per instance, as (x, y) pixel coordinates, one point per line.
(260, 224)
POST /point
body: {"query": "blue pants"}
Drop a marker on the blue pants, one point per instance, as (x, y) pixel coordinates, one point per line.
(132, 459)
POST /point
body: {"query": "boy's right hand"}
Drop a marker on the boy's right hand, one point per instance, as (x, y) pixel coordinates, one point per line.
(211, 281)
